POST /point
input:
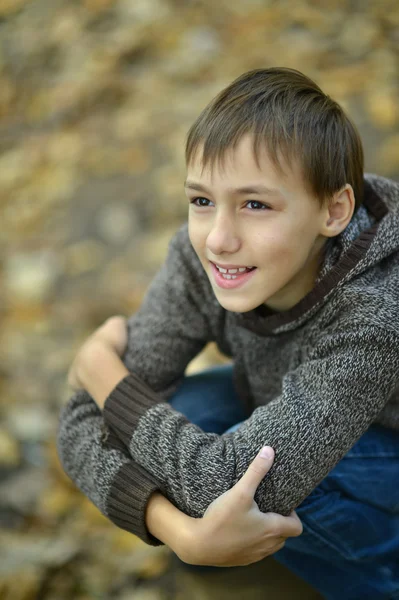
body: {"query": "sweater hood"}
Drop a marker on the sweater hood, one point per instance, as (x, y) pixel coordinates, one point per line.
(371, 236)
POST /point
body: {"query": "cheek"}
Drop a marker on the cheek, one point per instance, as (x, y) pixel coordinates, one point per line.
(280, 251)
(198, 230)
(196, 238)
(272, 245)
(191, 231)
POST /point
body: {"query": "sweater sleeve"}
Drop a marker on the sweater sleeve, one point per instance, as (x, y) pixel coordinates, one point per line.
(99, 464)
(169, 329)
(325, 406)
(172, 325)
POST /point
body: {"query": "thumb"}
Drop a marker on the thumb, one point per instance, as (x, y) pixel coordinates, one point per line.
(257, 470)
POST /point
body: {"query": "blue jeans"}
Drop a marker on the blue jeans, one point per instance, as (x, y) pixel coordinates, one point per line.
(349, 548)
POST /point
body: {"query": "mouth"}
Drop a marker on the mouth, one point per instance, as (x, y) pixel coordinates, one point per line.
(232, 269)
(232, 280)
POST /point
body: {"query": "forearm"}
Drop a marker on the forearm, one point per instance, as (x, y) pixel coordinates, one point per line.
(101, 467)
(307, 420)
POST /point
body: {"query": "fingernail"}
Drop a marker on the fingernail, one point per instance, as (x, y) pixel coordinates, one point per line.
(266, 452)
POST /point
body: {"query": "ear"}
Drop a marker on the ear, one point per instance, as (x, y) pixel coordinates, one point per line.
(339, 212)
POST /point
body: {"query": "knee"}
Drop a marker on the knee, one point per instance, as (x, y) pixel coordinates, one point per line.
(314, 501)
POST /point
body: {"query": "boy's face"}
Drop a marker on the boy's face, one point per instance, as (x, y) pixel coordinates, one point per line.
(276, 231)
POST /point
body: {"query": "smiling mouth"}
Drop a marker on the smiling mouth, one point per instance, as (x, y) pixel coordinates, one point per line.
(232, 270)
(231, 280)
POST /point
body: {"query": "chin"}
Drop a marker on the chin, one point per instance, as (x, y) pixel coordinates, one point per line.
(237, 305)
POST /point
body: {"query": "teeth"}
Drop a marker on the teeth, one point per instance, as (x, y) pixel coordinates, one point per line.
(232, 271)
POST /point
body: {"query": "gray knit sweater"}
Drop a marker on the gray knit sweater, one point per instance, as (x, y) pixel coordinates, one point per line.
(312, 379)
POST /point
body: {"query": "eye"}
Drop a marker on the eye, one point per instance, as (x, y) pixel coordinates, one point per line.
(262, 206)
(194, 201)
(200, 201)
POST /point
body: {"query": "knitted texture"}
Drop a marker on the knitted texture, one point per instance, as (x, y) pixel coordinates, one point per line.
(312, 379)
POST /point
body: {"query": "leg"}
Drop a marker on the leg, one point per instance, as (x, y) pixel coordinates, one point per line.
(349, 548)
(350, 543)
(209, 399)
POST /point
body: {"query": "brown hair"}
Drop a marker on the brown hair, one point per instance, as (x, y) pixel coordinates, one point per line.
(289, 114)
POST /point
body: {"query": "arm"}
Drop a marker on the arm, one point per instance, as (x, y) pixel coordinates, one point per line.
(321, 412)
(233, 532)
(161, 342)
(162, 519)
(98, 462)
(172, 325)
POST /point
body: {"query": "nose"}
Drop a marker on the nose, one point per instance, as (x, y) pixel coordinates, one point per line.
(223, 237)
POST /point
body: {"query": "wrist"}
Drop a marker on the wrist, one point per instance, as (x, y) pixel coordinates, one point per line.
(172, 527)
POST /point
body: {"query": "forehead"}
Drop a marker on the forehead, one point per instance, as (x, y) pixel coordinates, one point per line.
(243, 162)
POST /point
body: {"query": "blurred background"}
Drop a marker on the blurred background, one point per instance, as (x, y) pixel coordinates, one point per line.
(96, 97)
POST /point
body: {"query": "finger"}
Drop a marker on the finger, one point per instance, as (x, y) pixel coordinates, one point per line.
(256, 471)
(294, 516)
(279, 547)
(286, 526)
(296, 523)
(116, 319)
(112, 323)
(114, 332)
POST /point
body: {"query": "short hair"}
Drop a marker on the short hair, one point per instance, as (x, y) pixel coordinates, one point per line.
(293, 118)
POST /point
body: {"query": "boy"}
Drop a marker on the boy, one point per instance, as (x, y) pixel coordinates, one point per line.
(290, 262)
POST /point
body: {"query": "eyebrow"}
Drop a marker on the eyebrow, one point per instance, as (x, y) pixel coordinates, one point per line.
(250, 189)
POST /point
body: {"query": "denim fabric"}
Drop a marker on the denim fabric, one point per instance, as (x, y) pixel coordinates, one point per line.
(349, 548)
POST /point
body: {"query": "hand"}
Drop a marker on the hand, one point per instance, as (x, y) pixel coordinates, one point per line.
(233, 531)
(112, 334)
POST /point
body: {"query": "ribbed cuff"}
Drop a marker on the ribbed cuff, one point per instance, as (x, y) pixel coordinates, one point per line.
(127, 402)
(128, 498)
